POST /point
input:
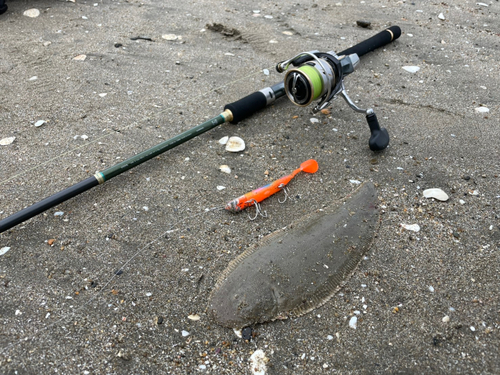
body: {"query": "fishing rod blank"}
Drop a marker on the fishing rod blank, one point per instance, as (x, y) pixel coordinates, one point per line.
(233, 112)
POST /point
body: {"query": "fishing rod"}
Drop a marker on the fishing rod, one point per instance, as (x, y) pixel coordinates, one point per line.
(315, 76)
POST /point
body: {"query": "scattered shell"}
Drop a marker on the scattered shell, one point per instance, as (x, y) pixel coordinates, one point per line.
(3, 250)
(462, 201)
(473, 329)
(238, 333)
(7, 141)
(353, 322)
(431, 289)
(84, 137)
(287, 33)
(313, 120)
(194, 317)
(58, 213)
(482, 110)
(411, 69)
(266, 71)
(223, 140)
(235, 144)
(32, 13)
(103, 94)
(438, 194)
(80, 57)
(355, 182)
(185, 333)
(412, 227)
(441, 16)
(40, 123)
(225, 168)
(220, 187)
(171, 37)
(258, 362)
(34, 78)
(446, 319)
(482, 4)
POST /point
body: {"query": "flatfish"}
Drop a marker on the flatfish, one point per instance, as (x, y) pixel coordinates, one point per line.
(293, 271)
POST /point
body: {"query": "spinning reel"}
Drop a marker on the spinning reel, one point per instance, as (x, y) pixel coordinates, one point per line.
(320, 76)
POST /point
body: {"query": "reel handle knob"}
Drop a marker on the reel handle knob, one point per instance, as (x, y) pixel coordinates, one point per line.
(379, 138)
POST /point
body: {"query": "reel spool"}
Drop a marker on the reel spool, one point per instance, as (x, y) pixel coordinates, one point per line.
(320, 76)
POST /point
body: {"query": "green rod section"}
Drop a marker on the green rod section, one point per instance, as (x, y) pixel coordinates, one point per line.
(140, 158)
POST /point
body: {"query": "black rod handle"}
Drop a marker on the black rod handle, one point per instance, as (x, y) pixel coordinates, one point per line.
(379, 40)
(47, 203)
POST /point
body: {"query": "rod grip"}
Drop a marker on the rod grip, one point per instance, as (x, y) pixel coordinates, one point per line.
(247, 106)
(379, 40)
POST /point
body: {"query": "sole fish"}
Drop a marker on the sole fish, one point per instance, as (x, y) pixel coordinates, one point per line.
(296, 270)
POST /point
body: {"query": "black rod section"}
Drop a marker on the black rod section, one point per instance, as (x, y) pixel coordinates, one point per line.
(47, 203)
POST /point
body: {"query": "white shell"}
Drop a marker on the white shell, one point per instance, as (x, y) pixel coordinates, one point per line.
(235, 144)
(39, 123)
(220, 187)
(438, 194)
(80, 57)
(412, 227)
(194, 317)
(32, 13)
(223, 140)
(3, 250)
(411, 69)
(225, 168)
(170, 37)
(441, 16)
(7, 141)
(482, 110)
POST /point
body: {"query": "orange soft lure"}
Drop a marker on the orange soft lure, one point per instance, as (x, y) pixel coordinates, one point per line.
(258, 195)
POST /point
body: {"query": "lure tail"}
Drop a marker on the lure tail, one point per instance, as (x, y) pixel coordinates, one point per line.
(258, 195)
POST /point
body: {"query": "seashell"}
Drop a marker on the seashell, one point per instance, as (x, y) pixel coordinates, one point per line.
(438, 194)
(281, 277)
(235, 144)
(7, 141)
(482, 109)
(32, 13)
(223, 140)
(80, 57)
(225, 169)
(194, 317)
(39, 123)
(3, 250)
(412, 227)
(411, 69)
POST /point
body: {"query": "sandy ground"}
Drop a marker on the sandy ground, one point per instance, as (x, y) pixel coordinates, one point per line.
(426, 301)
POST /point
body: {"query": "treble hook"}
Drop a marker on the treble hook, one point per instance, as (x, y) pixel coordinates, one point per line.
(258, 210)
(285, 190)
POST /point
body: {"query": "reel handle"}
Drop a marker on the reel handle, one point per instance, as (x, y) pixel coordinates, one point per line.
(379, 138)
(379, 40)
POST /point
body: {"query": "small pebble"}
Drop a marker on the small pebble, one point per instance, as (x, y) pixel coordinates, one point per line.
(194, 317)
(441, 16)
(313, 120)
(473, 329)
(329, 337)
(58, 213)
(246, 333)
(220, 187)
(364, 24)
(446, 319)
(431, 289)
(171, 37)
